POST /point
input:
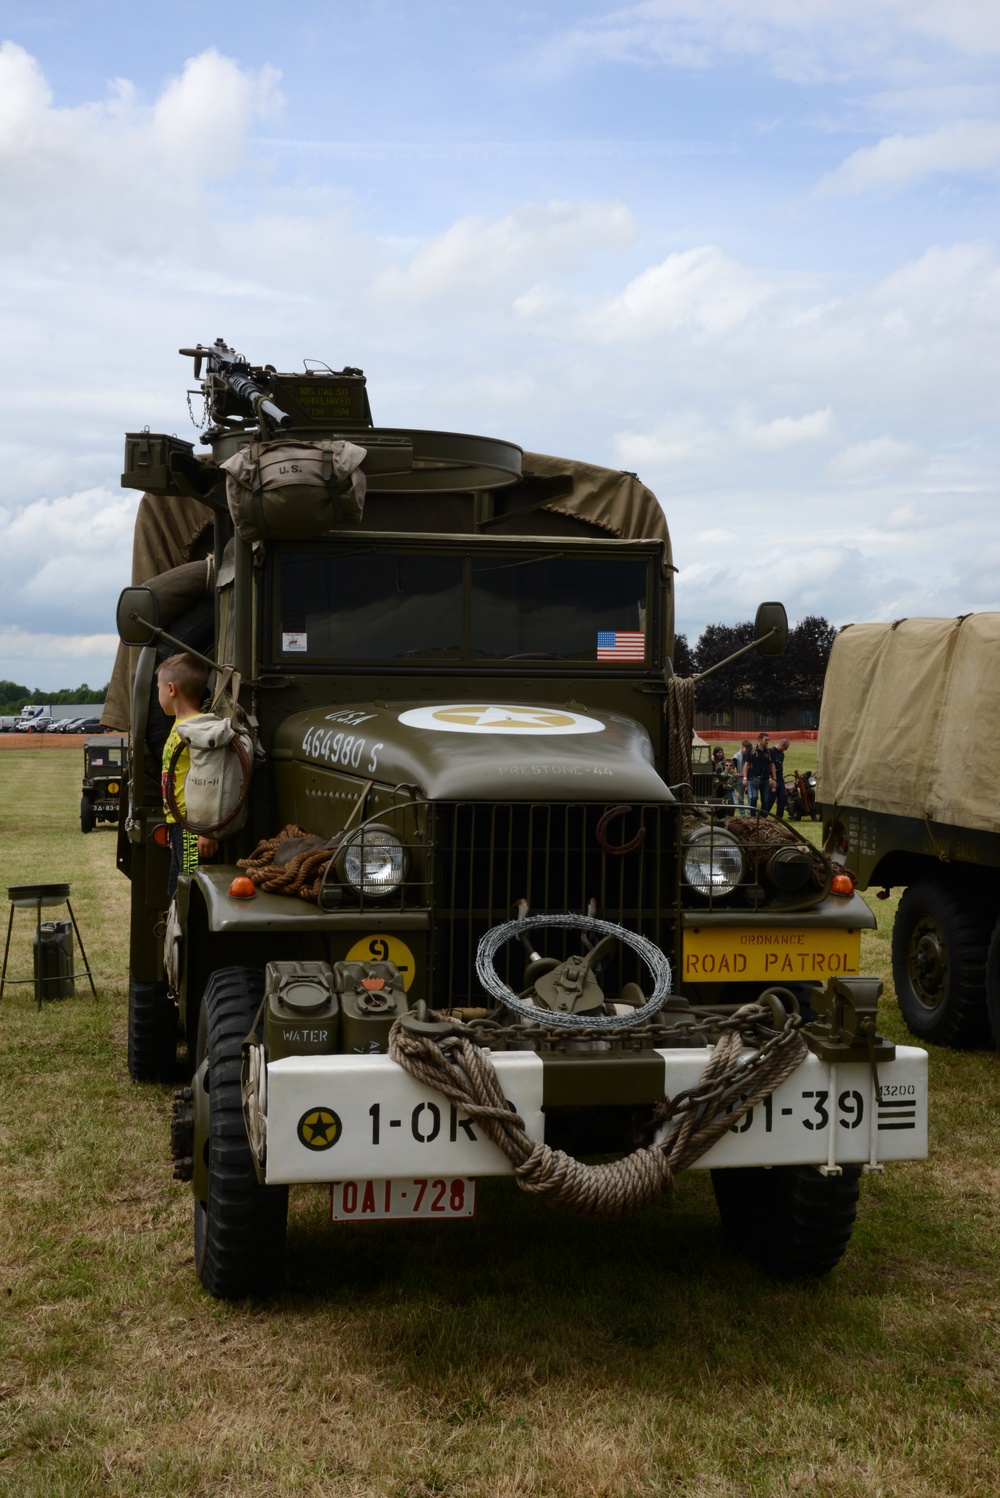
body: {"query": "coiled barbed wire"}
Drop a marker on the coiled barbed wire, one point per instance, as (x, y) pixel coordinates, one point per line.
(656, 962)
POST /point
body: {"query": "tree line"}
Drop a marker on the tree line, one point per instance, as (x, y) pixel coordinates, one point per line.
(14, 696)
(771, 681)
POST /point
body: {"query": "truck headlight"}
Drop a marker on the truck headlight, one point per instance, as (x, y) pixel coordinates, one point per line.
(712, 861)
(373, 862)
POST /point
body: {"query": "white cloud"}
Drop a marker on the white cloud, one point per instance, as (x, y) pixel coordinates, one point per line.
(503, 258)
(701, 291)
(63, 557)
(800, 40)
(119, 171)
(898, 160)
(880, 455)
(786, 431)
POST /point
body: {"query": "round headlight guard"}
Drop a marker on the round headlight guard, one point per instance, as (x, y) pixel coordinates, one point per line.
(373, 862)
(713, 862)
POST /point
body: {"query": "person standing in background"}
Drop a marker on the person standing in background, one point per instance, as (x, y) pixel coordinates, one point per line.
(778, 791)
(741, 760)
(760, 775)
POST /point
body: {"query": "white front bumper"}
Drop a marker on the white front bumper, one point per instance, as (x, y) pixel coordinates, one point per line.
(387, 1124)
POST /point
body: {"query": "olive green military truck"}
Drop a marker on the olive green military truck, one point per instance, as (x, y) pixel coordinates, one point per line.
(467, 918)
(908, 789)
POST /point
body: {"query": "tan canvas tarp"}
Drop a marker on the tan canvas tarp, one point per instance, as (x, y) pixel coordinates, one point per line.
(169, 531)
(910, 715)
(175, 591)
(616, 501)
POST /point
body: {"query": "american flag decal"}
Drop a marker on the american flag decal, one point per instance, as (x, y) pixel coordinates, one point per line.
(621, 645)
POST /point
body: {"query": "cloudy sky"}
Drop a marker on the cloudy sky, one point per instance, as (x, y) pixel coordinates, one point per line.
(748, 248)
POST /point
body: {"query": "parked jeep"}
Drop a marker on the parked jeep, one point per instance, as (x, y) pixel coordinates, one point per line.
(105, 757)
(467, 910)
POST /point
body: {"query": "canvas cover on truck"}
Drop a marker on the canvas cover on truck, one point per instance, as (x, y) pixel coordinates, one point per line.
(910, 712)
(172, 529)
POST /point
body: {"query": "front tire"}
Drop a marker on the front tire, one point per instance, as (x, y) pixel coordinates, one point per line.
(239, 1230)
(152, 1032)
(87, 818)
(993, 985)
(939, 945)
(790, 1219)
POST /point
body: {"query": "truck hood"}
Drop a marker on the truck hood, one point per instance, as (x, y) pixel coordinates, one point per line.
(480, 749)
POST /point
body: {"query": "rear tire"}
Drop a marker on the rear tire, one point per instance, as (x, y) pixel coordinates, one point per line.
(939, 945)
(993, 984)
(239, 1231)
(790, 1219)
(152, 1032)
(87, 818)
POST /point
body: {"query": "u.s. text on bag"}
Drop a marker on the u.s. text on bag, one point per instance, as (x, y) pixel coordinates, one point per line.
(292, 490)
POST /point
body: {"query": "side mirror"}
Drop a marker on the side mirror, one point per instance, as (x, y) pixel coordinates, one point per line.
(770, 629)
(138, 616)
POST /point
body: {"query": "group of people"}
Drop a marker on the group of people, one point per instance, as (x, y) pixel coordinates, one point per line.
(754, 777)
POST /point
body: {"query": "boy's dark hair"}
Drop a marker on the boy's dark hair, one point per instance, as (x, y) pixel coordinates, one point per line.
(187, 673)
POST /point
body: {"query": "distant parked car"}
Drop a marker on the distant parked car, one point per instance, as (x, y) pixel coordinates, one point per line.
(68, 725)
(33, 725)
(90, 725)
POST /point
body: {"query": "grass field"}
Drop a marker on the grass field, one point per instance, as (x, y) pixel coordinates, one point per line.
(518, 1353)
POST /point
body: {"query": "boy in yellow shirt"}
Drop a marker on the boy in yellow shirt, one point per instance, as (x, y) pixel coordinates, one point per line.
(181, 681)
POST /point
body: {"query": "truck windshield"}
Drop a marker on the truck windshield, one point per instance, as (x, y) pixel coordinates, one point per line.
(454, 607)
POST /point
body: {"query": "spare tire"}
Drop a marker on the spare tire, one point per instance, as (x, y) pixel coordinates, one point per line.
(195, 628)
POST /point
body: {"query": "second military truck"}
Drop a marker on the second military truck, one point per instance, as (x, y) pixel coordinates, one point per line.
(910, 717)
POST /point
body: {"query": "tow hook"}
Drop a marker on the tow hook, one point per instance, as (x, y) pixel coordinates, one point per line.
(182, 1133)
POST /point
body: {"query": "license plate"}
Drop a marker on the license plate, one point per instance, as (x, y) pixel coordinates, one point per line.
(714, 954)
(424, 1197)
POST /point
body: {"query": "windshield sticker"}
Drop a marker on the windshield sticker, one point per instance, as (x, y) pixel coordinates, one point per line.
(479, 717)
(290, 642)
(621, 645)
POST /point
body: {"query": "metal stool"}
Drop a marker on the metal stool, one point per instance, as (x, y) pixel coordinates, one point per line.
(33, 897)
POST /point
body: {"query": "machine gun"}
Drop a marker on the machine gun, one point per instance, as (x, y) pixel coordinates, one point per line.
(238, 394)
(229, 380)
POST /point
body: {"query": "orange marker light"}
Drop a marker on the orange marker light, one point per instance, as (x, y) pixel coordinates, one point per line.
(161, 835)
(842, 884)
(242, 888)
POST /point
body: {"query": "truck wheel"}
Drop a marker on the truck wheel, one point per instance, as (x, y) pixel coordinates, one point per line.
(790, 1219)
(939, 943)
(152, 1032)
(86, 814)
(993, 984)
(239, 1231)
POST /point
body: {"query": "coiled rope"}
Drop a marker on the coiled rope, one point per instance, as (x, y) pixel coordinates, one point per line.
(464, 1073)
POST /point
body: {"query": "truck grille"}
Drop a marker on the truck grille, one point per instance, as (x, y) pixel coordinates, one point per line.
(487, 858)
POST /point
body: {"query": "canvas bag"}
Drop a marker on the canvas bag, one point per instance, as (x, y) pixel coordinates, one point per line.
(292, 490)
(215, 780)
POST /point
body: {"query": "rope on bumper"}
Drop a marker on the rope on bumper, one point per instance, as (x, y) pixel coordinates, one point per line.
(464, 1073)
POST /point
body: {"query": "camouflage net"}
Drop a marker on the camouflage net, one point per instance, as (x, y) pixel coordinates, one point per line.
(293, 863)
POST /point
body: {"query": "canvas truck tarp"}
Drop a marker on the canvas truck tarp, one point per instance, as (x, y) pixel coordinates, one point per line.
(176, 590)
(609, 498)
(910, 714)
(172, 530)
